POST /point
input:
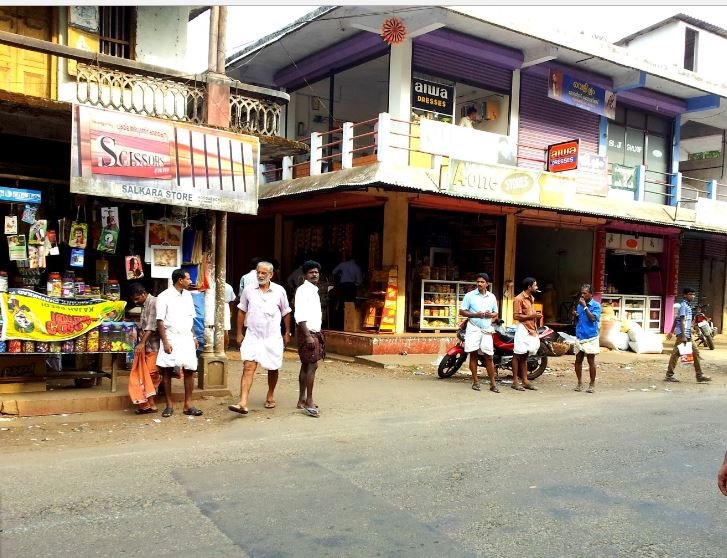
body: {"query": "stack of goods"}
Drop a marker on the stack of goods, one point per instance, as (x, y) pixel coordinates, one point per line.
(641, 341)
(611, 336)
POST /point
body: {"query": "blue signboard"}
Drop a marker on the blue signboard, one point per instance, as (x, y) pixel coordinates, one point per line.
(582, 94)
(16, 195)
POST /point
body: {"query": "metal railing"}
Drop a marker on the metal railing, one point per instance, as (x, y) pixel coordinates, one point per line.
(257, 116)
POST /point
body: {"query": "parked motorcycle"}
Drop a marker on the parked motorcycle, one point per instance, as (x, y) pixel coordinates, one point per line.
(503, 340)
(703, 328)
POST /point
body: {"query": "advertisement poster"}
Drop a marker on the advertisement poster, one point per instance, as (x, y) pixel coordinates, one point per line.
(11, 224)
(37, 232)
(579, 93)
(33, 316)
(592, 175)
(150, 160)
(562, 156)
(110, 217)
(431, 101)
(17, 247)
(79, 235)
(623, 177)
(134, 269)
(164, 260)
(466, 144)
(107, 240)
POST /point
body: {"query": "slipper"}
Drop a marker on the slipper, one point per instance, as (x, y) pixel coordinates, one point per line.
(311, 412)
(518, 387)
(591, 389)
(193, 412)
(299, 406)
(579, 387)
(168, 412)
(238, 409)
(494, 389)
(270, 404)
(146, 411)
(530, 387)
(476, 387)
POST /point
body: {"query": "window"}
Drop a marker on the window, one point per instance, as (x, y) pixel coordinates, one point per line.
(116, 25)
(691, 41)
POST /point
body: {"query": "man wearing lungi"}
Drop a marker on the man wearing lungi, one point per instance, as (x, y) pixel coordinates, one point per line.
(311, 343)
(263, 304)
(175, 319)
(142, 388)
(527, 341)
(588, 323)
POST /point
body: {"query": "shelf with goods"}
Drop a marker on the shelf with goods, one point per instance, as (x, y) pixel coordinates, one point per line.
(643, 310)
(440, 302)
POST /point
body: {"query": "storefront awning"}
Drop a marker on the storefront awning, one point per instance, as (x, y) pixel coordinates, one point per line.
(392, 176)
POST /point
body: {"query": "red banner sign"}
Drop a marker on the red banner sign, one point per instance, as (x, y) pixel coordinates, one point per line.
(563, 156)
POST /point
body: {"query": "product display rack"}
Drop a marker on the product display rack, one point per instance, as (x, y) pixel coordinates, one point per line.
(440, 302)
(641, 309)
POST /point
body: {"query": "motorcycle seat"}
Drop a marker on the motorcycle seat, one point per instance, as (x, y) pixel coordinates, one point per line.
(507, 338)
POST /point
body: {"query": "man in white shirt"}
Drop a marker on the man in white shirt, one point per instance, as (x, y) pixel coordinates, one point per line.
(229, 299)
(311, 343)
(480, 307)
(175, 319)
(466, 121)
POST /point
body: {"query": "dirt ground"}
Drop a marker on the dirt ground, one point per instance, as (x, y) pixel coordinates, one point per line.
(343, 388)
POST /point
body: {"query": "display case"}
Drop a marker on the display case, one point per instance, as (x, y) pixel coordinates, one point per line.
(643, 310)
(440, 302)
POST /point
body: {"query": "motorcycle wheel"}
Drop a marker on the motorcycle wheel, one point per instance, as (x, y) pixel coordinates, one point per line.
(536, 366)
(450, 364)
(710, 342)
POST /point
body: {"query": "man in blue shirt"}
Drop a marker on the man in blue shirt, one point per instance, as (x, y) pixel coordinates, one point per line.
(480, 306)
(588, 322)
(682, 326)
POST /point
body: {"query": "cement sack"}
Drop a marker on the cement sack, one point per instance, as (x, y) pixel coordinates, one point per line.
(621, 340)
(607, 337)
(634, 330)
(647, 343)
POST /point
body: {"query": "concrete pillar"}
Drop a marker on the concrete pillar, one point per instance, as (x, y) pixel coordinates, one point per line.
(508, 276)
(400, 80)
(347, 146)
(640, 183)
(395, 234)
(209, 295)
(514, 130)
(220, 280)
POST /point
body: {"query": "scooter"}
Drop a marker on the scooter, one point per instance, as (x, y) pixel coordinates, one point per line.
(503, 340)
(704, 328)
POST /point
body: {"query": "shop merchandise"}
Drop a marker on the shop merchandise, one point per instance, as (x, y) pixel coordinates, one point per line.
(11, 224)
(29, 214)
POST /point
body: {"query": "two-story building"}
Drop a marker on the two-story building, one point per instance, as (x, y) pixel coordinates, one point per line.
(425, 192)
(118, 165)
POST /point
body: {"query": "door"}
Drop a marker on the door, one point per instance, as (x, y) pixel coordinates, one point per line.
(713, 278)
(25, 71)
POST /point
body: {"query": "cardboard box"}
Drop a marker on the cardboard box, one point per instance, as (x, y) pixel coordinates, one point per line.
(351, 317)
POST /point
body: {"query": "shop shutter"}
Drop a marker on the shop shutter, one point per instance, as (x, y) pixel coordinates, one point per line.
(715, 248)
(544, 121)
(454, 66)
(690, 265)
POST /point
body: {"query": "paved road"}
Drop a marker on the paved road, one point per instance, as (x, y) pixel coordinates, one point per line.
(551, 474)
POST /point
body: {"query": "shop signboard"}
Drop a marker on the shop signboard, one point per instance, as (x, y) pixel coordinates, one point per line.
(562, 156)
(599, 264)
(579, 93)
(498, 182)
(466, 144)
(32, 316)
(592, 174)
(18, 195)
(129, 157)
(431, 96)
(623, 178)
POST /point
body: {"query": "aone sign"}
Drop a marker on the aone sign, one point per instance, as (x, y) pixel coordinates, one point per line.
(120, 155)
(432, 97)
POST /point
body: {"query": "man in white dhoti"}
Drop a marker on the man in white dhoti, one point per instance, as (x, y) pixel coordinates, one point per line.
(175, 318)
(263, 304)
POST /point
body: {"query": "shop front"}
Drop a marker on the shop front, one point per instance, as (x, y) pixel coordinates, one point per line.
(135, 209)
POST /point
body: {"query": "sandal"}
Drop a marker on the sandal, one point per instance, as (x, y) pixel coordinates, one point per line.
(591, 389)
(494, 389)
(476, 387)
(237, 409)
(530, 387)
(517, 387)
(168, 412)
(193, 412)
(146, 411)
(579, 387)
(311, 412)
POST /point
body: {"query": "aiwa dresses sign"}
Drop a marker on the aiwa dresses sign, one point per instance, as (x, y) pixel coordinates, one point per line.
(120, 155)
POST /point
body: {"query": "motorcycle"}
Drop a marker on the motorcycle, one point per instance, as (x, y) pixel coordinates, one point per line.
(703, 328)
(503, 340)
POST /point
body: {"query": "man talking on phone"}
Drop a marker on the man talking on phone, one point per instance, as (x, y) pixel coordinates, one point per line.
(588, 322)
(480, 306)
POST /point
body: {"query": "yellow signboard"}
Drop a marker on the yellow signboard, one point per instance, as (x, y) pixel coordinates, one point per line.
(32, 316)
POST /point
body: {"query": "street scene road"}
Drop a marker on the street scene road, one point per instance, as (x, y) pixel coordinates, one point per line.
(400, 463)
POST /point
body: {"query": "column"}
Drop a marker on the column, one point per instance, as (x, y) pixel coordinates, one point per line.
(508, 276)
(396, 230)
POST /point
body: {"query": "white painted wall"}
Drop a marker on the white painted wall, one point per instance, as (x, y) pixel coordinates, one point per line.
(161, 36)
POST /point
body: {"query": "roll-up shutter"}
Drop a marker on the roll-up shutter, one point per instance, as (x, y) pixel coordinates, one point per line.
(454, 66)
(713, 278)
(544, 121)
(690, 265)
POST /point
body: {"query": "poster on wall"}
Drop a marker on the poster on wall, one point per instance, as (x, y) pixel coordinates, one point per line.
(623, 177)
(17, 247)
(167, 233)
(143, 159)
(134, 269)
(164, 260)
(582, 94)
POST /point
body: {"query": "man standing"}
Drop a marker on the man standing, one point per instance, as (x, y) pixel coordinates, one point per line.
(227, 312)
(348, 277)
(480, 306)
(682, 326)
(311, 343)
(588, 322)
(466, 121)
(722, 477)
(142, 389)
(263, 305)
(175, 319)
(526, 334)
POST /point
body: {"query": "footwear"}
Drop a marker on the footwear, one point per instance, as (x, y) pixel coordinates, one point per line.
(270, 404)
(168, 412)
(591, 389)
(530, 387)
(579, 387)
(476, 387)
(238, 409)
(670, 379)
(517, 387)
(494, 389)
(146, 411)
(193, 412)
(311, 412)
(702, 379)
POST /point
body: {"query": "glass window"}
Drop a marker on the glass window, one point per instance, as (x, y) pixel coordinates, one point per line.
(616, 144)
(634, 152)
(657, 154)
(659, 125)
(620, 114)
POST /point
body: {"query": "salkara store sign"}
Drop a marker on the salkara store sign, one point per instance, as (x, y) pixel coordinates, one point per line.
(120, 155)
(497, 182)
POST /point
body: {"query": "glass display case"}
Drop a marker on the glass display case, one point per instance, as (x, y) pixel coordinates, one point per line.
(643, 310)
(440, 302)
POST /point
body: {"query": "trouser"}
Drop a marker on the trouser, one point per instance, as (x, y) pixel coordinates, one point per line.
(675, 357)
